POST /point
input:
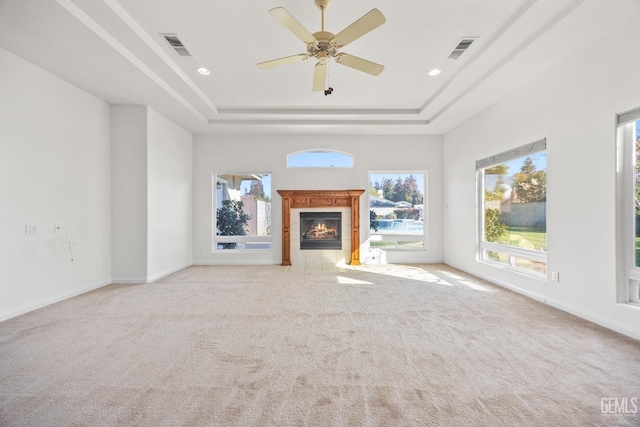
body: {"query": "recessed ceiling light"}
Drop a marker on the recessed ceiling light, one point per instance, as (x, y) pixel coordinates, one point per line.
(203, 71)
(435, 72)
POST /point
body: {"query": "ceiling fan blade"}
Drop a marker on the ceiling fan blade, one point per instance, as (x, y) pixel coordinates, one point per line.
(370, 21)
(359, 64)
(282, 61)
(319, 76)
(286, 19)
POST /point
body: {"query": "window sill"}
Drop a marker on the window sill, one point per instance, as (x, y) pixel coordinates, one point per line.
(516, 270)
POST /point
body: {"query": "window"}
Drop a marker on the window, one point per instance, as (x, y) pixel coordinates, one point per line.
(319, 159)
(512, 221)
(629, 202)
(397, 210)
(242, 215)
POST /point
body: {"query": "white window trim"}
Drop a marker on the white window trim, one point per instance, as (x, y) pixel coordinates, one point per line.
(395, 238)
(242, 240)
(628, 290)
(512, 251)
(321, 150)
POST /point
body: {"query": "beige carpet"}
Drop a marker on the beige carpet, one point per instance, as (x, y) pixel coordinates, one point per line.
(281, 346)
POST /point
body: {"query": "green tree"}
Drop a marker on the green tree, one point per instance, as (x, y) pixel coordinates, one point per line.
(231, 220)
(412, 192)
(257, 190)
(373, 220)
(497, 170)
(398, 191)
(373, 188)
(494, 230)
(530, 185)
(387, 188)
(499, 189)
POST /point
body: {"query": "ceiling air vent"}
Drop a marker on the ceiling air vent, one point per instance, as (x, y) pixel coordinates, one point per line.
(176, 44)
(462, 46)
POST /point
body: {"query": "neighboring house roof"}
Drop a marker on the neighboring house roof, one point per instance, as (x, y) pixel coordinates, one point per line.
(402, 204)
(380, 202)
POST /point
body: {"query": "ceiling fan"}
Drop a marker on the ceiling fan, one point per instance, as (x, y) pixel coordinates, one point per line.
(324, 45)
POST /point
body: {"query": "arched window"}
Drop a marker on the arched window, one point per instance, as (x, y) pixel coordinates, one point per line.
(319, 159)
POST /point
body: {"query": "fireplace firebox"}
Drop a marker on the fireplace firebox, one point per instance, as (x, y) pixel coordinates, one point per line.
(320, 230)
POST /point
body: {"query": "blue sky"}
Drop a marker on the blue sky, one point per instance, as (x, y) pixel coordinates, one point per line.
(320, 159)
(266, 184)
(539, 161)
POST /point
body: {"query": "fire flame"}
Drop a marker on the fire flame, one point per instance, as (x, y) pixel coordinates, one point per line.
(321, 231)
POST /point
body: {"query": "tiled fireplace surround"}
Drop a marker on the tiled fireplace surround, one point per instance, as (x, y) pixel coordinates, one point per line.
(315, 257)
(344, 201)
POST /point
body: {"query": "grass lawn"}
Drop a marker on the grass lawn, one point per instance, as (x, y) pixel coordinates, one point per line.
(526, 238)
(637, 251)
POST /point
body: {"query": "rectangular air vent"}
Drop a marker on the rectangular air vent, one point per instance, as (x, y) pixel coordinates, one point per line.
(176, 44)
(462, 46)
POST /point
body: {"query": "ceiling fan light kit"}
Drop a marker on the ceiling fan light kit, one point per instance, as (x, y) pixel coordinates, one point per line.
(324, 45)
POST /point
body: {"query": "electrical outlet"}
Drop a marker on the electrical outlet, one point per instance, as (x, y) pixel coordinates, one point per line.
(555, 276)
(30, 229)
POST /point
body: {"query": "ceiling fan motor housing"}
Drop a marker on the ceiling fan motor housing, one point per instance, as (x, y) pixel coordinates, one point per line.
(324, 46)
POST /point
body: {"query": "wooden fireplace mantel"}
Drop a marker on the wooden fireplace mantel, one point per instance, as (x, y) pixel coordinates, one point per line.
(320, 199)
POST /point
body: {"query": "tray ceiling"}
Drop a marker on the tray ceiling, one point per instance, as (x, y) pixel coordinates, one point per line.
(115, 50)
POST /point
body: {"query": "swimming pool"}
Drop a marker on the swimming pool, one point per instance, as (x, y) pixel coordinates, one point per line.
(400, 226)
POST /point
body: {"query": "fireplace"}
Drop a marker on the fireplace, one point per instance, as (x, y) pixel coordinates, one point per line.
(320, 230)
(312, 199)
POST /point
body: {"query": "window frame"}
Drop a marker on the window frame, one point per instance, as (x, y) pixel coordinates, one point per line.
(244, 242)
(513, 253)
(394, 240)
(320, 151)
(628, 272)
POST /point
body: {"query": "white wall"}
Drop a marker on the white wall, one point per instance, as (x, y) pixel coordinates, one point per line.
(54, 168)
(574, 107)
(129, 193)
(152, 216)
(220, 154)
(170, 231)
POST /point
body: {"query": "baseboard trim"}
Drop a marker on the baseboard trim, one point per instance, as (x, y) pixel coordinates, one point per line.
(6, 315)
(239, 262)
(581, 313)
(149, 279)
(502, 284)
(595, 318)
(167, 272)
(129, 280)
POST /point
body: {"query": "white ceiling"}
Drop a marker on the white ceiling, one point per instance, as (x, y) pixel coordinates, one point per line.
(113, 49)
